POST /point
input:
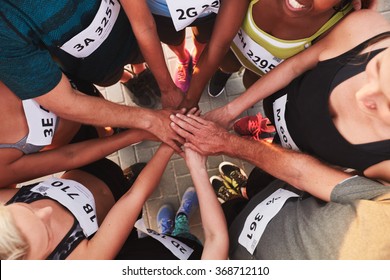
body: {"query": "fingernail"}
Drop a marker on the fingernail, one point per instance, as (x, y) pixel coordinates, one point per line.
(171, 116)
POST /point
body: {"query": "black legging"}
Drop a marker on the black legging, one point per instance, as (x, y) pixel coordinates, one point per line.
(257, 181)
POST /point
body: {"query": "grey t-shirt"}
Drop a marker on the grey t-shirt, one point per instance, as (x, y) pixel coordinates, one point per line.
(354, 225)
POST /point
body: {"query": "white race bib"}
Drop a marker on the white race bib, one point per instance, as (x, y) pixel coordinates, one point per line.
(184, 12)
(254, 53)
(73, 196)
(259, 218)
(91, 38)
(178, 248)
(279, 108)
(41, 123)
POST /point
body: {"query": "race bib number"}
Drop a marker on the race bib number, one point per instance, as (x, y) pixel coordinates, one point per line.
(259, 218)
(184, 12)
(178, 248)
(41, 123)
(91, 38)
(279, 108)
(73, 196)
(254, 53)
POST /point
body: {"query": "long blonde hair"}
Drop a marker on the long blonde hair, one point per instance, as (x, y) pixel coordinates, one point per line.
(13, 245)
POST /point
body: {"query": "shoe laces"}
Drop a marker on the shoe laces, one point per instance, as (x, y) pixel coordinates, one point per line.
(257, 126)
(237, 177)
(166, 225)
(227, 193)
(182, 72)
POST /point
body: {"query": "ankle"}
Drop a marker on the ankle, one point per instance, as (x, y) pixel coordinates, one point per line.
(138, 68)
(184, 59)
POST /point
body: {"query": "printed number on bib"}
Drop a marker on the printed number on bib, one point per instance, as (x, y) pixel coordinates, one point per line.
(279, 108)
(91, 38)
(184, 12)
(41, 123)
(260, 216)
(178, 248)
(254, 53)
(75, 197)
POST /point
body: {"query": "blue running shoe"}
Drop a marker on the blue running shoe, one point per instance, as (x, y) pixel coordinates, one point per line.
(189, 203)
(165, 219)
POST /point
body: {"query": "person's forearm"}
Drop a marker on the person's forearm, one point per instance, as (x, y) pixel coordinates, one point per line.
(275, 80)
(151, 175)
(298, 169)
(225, 28)
(205, 68)
(70, 104)
(214, 226)
(121, 219)
(68, 157)
(145, 31)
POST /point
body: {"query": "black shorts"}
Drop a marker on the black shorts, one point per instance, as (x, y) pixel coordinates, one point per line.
(202, 29)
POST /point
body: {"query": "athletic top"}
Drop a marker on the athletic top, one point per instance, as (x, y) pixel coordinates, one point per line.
(42, 125)
(353, 225)
(183, 13)
(301, 114)
(73, 196)
(87, 38)
(260, 52)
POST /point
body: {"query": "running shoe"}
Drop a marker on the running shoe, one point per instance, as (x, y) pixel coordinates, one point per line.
(256, 127)
(234, 175)
(143, 89)
(217, 83)
(189, 203)
(183, 74)
(165, 219)
(222, 189)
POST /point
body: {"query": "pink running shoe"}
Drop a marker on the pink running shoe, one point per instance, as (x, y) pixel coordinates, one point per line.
(183, 74)
(256, 127)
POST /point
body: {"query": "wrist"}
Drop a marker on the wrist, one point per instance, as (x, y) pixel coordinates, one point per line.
(146, 122)
(197, 169)
(231, 110)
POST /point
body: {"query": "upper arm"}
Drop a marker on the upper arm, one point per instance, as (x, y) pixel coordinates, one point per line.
(139, 16)
(26, 167)
(61, 100)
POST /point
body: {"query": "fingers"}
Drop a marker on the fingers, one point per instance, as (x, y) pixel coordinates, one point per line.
(357, 4)
(194, 111)
(197, 119)
(180, 131)
(190, 123)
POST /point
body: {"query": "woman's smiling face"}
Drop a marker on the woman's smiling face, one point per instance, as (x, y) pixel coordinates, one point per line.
(297, 8)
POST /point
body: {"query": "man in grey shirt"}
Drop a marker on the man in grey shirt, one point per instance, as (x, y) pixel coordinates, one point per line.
(313, 211)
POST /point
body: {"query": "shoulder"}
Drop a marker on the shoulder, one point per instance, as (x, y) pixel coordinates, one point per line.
(365, 22)
(354, 29)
